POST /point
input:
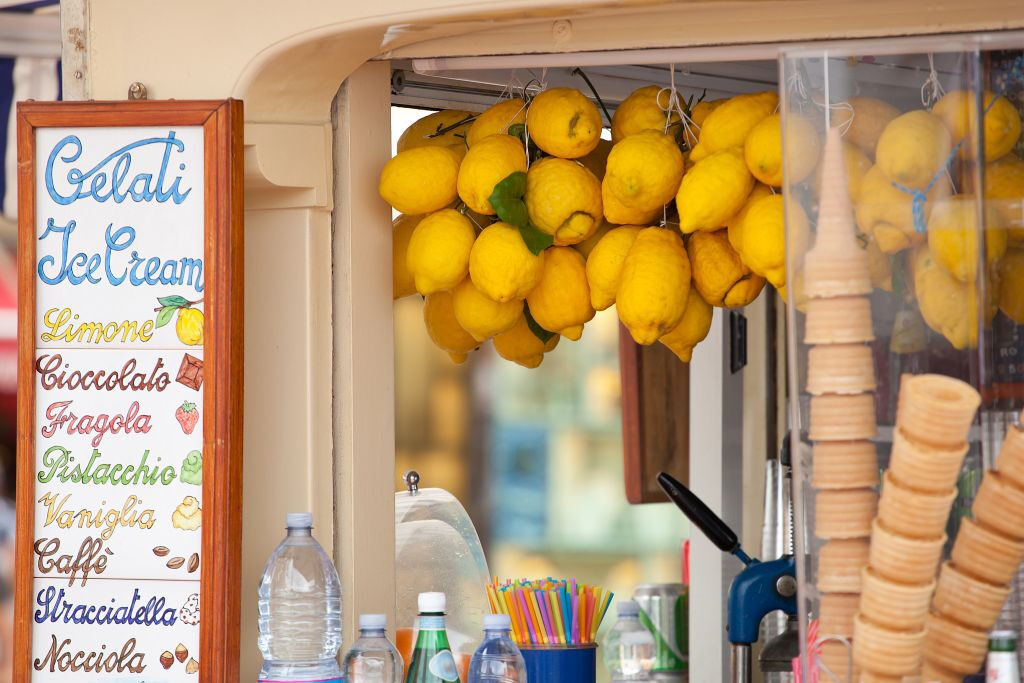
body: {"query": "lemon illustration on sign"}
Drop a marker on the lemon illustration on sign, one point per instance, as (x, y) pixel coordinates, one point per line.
(864, 120)
(439, 249)
(953, 236)
(762, 149)
(644, 109)
(480, 315)
(886, 212)
(692, 328)
(420, 180)
(719, 274)
(913, 149)
(604, 265)
(644, 170)
(564, 123)
(502, 266)
(653, 285)
(713, 191)
(444, 330)
(734, 224)
(497, 119)
(189, 321)
(424, 132)
(563, 200)
(729, 123)
(487, 163)
(958, 110)
(520, 345)
(561, 300)
(1011, 285)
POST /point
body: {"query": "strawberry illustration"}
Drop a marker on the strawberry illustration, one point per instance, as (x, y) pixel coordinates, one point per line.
(187, 416)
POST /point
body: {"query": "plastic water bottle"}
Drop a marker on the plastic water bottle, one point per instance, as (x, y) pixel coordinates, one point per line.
(629, 648)
(300, 609)
(497, 660)
(372, 658)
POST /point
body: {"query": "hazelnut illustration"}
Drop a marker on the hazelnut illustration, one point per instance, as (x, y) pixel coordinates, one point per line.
(166, 659)
(192, 666)
(181, 652)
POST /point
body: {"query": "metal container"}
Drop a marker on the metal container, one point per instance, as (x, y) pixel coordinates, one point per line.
(664, 610)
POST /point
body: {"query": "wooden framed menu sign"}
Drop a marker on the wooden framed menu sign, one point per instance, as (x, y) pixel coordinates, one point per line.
(129, 392)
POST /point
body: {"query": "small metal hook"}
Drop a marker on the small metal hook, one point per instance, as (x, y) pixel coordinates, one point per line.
(137, 91)
(412, 481)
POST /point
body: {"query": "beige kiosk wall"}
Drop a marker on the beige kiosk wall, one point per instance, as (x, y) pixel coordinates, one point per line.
(319, 378)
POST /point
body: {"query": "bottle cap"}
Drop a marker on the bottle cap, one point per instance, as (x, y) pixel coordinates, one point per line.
(431, 603)
(497, 622)
(373, 622)
(299, 520)
(628, 608)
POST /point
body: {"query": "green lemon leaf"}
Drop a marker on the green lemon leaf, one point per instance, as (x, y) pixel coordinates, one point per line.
(175, 300)
(507, 199)
(538, 331)
(517, 130)
(536, 241)
(165, 315)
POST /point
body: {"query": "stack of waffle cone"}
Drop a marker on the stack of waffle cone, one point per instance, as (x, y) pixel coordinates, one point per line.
(974, 583)
(841, 382)
(898, 584)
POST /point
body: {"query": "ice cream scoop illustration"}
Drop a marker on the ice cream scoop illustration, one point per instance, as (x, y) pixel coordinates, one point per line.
(192, 468)
(188, 515)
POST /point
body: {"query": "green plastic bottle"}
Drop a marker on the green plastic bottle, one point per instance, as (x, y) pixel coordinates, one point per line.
(432, 659)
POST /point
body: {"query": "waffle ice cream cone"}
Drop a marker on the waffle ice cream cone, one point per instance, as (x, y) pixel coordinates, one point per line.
(842, 418)
(1010, 462)
(840, 369)
(886, 651)
(970, 601)
(933, 673)
(913, 513)
(844, 464)
(845, 513)
(829, 275)
(936, 410)
(843, 320)
(839, 564)
(902, 606)
(986, 554)
(953, 647)
(836, 612)
(922, 467)
(902, 558)
(999, 505)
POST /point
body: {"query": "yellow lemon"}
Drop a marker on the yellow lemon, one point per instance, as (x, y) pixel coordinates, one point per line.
(564, 123)
(520, 345)
(886, 212)
(619, 214)
(642, 110)
(604, 265)
(502, 266)
(563, 199)
(692, 328)
(953, 236)
(735, 223)
(1004, 189)
(190, 326)
(420, 180)
(444, 330)
(644, 170)
(418, 134)
(438, 253)
(913, 149)
(958, 110)
(587, 246)
(948, 306)
(857, 165)
(561, 300)
(728, 124)
(713, 191)
(402, 281)
(702, 109)
(490, 161)
(497, 119)
(718, 273)
(870, 116)
(764, 236)
(1011, 285)
(653, 285)
(597, 161)
(763, 149)
(879, 265)
(480, 315)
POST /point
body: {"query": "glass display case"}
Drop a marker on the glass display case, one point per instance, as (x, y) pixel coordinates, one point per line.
(905, 294)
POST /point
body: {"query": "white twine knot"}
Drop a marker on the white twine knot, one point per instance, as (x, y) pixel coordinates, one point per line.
(931, 89)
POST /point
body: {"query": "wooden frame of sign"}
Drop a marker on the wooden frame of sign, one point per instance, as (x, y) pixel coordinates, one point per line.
(655, 417)
(110, 195)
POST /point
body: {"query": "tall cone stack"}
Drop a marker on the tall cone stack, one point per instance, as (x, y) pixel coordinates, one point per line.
(841, 382)
(974, 583)
(933, 418)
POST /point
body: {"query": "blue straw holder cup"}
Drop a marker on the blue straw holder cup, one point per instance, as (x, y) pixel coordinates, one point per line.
(573, 664)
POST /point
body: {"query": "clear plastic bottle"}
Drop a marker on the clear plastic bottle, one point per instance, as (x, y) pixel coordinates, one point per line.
(629, 648)
(372, 658)
(498, 659)
(300, 609)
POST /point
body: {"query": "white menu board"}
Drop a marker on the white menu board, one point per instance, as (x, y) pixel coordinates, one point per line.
(118, 423)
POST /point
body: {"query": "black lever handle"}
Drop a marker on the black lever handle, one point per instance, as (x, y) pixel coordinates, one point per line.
(701, 515)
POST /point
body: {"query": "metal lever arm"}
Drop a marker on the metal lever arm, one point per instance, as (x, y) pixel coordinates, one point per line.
(702, 517)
